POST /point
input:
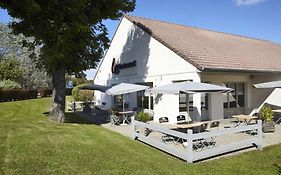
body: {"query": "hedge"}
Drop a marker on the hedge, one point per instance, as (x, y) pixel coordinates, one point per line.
(22, 94)
(17, 94)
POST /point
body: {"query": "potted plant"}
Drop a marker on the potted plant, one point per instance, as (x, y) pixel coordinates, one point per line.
(267, 117)
(144, 117)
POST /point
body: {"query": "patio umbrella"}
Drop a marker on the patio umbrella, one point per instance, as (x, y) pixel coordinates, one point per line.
(125, 88)
(271, 84)
(273, 98)
(94, 87)
(189, 87)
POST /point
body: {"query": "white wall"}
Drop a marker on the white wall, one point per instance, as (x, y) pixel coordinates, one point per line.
(253, 97)
(155, 63)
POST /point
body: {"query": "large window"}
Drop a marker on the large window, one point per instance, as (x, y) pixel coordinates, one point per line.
(237, 97)
(183, 100)
(142, 100)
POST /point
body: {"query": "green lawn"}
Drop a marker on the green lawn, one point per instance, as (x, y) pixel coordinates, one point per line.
(30, 144)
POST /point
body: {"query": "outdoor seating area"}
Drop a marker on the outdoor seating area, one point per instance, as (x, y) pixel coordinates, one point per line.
(187, 138)
(208, 138)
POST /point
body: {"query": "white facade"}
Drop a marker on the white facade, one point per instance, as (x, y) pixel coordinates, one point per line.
(158, 64)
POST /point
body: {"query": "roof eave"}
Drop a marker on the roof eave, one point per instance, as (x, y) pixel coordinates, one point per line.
(240, 70)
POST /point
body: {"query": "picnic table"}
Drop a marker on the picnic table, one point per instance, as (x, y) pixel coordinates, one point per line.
(244, 119)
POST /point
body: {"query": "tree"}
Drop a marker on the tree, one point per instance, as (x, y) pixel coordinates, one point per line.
(70, 33)
(10, 69)
(15, 63)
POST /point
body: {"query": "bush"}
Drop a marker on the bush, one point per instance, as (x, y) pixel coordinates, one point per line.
(82, 95)
(267, 114)
(9, 84)
(143, 117)
(17, 94)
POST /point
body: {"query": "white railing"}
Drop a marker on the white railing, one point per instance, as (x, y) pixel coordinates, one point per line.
(188, 153)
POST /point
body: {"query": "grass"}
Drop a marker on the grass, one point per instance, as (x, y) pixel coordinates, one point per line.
(30, 144)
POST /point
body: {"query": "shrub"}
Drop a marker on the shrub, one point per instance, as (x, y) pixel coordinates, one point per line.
(9, 84)
(82, 95)
(267, 114)
(143, 117)
(17, 94)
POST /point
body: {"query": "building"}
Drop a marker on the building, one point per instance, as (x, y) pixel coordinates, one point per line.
(155, 53)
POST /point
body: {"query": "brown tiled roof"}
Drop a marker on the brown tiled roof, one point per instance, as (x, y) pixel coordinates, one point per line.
(214, 51)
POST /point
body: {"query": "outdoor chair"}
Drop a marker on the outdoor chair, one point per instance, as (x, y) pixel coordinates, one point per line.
(115, 120)
(203, 127)
(181, 119)
(163, 120)
(202, 143)
(213, 126)
(165, 137)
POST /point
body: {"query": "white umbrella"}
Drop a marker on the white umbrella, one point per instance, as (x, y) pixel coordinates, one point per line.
(189, 87)
(125, 88)
(273, 98)
(271, 84)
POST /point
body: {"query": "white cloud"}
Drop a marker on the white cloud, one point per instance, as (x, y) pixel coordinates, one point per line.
(247, 2)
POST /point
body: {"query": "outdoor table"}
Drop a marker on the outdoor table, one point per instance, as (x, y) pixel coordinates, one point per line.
(126, 115)
(189, 125)
(246, 119)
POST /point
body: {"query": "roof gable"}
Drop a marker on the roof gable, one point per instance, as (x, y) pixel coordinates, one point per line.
(209, 50)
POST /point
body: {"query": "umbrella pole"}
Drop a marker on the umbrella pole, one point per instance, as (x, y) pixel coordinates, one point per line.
(123, 102)
(187, 106)
(149, 102)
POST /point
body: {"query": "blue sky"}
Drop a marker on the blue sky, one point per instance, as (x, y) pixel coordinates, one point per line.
(253, 18)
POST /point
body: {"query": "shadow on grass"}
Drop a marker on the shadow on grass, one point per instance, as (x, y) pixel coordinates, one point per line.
(96, 116)
(71, 117)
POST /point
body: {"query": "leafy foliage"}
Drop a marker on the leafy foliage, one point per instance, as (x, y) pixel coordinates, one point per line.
(267, 114)
(10, 69)
(12, 53)
(9, 84)
(143, 117)
(78, 81)
(82, 95)
(70, 33)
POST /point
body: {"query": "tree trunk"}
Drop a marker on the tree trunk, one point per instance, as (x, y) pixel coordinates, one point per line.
(58, 96)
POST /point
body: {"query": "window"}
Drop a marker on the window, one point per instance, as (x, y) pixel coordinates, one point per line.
(183, 98)
(182, 102)
(142, 100)
(237, 97)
